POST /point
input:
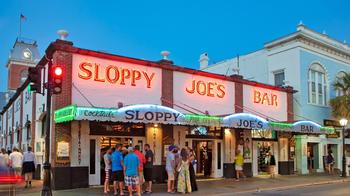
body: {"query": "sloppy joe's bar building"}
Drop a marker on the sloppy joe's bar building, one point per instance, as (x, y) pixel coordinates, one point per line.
(108, 99)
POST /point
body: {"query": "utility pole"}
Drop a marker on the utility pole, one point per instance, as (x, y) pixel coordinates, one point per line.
(47, 191)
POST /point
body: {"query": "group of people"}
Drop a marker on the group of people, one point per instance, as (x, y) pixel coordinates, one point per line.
(180, 170)
(18, 164)
(129, 167)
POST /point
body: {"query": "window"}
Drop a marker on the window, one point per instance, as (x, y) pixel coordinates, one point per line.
(317, 84)
(279, 78)
(338, 77)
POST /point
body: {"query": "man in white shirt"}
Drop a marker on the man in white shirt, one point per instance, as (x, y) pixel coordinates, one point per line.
(28, 166)
(16, 159)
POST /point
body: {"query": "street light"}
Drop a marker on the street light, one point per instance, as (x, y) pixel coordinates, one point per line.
(343, 122)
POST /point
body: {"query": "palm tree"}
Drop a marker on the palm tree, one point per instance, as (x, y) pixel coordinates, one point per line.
(341, 104)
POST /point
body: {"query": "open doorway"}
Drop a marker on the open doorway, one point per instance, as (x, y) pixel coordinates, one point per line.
(204, 156)
(105, 144)
(312, 157)
(264, 148)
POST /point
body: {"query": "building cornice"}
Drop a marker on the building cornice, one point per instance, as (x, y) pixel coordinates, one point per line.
(315, 40)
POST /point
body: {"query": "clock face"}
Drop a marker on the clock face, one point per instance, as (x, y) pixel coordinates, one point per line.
(27, 54)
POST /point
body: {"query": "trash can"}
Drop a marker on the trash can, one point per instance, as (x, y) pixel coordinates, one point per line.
(229, 170)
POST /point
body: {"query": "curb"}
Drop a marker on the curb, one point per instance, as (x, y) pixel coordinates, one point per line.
(288, 187)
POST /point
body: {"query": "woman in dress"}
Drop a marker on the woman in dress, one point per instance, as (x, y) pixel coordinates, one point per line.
(192, 159)
(184, 182)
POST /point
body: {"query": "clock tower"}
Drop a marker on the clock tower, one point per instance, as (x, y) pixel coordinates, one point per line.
(23, 55)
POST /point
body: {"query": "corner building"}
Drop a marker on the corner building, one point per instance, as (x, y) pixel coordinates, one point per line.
(108, 99)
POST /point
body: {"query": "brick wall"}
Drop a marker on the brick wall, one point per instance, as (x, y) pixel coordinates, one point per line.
(290, 115)
(167, 100)
(14, 76)
(238, 97)
(62, 132)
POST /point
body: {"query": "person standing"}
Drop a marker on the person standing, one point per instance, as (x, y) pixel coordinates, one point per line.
(170, 168)
(148, 168)
(131, 168)
(117, 170)
(192, 159)
(16, 160)
(272, 164)
(142, 161)
(330, 162)
(184, 182)
(107, 157)
(239, 161)
(28, 166)
(4, 161)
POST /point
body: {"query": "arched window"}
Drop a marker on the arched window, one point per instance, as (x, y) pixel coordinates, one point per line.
(317, 84)
(338, 77)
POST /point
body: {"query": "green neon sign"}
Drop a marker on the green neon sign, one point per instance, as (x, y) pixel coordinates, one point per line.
(65, 114)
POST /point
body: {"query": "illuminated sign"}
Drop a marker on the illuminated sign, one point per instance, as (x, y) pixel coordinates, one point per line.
(113, 74)
(265, 98)
(245, 121)
(210, 89)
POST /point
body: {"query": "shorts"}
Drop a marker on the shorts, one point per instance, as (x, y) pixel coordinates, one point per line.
(108, 174)
(118, 176)
(147, 172)
(171, 175)
(238, 167)
(131, 180)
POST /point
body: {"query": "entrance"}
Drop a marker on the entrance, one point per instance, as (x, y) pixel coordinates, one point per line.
(264, 148)
(204, 156)
(312, 157)
(105, 144)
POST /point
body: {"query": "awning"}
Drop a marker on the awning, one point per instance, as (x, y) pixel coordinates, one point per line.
(245, 121)
(305, 127)
(149, 113)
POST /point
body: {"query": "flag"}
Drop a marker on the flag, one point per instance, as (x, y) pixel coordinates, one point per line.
(23, 17)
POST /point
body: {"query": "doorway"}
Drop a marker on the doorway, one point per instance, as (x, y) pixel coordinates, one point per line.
(204, 156)
(105, 144)
(264, 148)
(312, 157)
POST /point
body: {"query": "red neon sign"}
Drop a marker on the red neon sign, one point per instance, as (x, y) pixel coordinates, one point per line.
(113, 74)
(210, 89)
(264, 98)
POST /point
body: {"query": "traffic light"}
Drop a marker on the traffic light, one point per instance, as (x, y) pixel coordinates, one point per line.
(34, 75)
(57, 78)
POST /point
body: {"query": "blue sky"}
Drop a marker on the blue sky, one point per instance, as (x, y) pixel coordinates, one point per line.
(141, 29)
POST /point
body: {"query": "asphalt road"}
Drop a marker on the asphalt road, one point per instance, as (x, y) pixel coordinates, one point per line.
(335, 189)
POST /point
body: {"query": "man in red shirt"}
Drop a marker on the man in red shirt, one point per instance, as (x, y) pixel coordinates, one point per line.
(142, 160)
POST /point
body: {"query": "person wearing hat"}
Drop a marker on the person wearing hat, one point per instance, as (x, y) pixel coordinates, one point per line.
(131, 168)
(170, 168)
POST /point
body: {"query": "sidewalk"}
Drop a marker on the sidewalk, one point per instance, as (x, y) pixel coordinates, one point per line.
(214, 186)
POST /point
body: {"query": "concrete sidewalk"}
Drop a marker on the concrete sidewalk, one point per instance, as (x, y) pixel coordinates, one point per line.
(215, 186)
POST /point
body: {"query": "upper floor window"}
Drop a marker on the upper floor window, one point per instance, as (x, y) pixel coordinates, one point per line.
(339, 77)
(279, 78)
(317, 84)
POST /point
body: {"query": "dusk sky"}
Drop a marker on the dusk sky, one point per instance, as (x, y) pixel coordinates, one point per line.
(141, 29)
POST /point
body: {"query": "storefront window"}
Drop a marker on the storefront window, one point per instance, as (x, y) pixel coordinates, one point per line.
(117, 129)
(263, 134)
(205, 132)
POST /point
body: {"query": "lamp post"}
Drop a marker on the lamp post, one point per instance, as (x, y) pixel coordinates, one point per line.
(343, 122)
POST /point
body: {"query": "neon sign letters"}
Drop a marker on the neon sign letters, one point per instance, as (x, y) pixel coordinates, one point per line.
(264, 98)
(113, 74)
(210, 89)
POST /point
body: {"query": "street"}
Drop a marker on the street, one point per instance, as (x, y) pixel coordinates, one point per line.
(319, 190)
(282, 185)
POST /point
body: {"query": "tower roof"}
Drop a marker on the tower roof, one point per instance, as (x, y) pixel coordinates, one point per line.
(25, 52)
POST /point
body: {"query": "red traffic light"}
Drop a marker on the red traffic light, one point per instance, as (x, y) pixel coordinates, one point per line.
(58, 71)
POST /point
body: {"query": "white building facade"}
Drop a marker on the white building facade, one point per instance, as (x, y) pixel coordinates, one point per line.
(310, 62)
